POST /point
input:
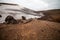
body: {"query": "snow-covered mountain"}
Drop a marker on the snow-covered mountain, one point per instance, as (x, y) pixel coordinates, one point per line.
(16, 11)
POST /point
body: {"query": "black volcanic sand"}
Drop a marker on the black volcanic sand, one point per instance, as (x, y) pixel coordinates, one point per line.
(34, 30)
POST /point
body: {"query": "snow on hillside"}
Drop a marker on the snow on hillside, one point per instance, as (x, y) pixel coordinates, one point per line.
(17, 11)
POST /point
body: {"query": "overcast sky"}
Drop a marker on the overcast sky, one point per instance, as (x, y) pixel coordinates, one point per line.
(36, 4)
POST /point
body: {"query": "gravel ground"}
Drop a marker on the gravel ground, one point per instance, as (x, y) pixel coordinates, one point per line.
(34, 30)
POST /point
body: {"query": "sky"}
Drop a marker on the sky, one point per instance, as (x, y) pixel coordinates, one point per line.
(36, 4)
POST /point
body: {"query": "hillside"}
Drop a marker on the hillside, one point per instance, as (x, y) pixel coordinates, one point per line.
(16, 11)
(51, 15)
(51, 11)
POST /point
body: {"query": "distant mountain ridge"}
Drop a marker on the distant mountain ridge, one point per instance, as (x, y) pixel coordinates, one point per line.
(8, 3)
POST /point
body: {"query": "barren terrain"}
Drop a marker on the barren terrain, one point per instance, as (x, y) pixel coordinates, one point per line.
(34, 30)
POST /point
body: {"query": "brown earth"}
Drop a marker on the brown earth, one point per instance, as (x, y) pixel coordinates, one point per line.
(34, 30)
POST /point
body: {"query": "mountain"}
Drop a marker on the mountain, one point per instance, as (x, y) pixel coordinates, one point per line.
(6, 3)
(17, 11)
